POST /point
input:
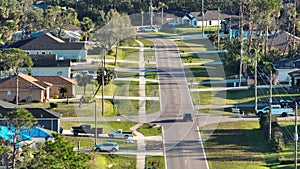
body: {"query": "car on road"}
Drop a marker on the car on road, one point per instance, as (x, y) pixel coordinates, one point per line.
(187, 116)
(106, 146)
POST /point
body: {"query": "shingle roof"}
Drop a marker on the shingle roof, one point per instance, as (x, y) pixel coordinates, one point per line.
(282, 40)
(48, 42)
(55, 80)
(49, 60)
(284, 63)
(25, 82)
(36, 112)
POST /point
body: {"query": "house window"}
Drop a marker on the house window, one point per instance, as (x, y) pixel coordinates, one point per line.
(43, 53)
(37, 53)
(49, 52)
(27, 53)
(209, 22)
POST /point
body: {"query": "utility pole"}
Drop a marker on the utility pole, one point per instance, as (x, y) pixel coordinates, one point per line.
(102, 80)
(255, 79)
(241, 50)
(202, 18)
(151, 20)
(296, 135)
(96, 121)
(270, 111)
(218, 28)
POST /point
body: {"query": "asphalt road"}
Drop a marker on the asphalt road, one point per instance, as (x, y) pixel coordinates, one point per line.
(182, 142)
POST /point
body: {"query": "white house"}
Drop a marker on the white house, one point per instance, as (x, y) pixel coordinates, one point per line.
(211, 18)
(48, 65)
(285, 66)
(49, 44)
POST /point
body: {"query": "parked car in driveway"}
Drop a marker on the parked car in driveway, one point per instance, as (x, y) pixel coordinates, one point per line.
(106, 146)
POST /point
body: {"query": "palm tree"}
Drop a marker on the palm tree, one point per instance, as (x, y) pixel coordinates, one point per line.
(161, 6)
(107, 74)
(62, 91)
(86, 26)
(83, 80)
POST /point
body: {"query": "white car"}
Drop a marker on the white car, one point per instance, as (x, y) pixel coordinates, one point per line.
(149, 29)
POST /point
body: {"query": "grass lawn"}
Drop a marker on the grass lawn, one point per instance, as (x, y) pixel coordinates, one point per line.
(102, 161)
(148, 130)
(88, 142)
(242, 145)
(147, 43)
(236, 145)
(158, 162)
(107, 126)
(126, 88)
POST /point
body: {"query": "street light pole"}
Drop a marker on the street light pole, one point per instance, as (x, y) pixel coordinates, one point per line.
(103, 74)
(202, 18)
(96, 121)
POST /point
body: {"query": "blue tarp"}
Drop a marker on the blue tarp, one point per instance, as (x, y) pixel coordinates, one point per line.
(7, 132)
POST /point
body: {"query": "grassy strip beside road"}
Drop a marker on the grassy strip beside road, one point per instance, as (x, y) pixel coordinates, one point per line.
(89, 142)
(236, 145)
(150, 130)
(107, 126)
(156, 162)
(102, 161)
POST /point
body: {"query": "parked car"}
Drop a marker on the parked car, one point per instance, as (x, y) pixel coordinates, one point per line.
(276, 110)
(106, 146)
(85, 128)
(149, 29)
(120, 134)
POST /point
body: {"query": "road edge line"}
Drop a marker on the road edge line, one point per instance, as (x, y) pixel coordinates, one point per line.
(203, 149)
(164, 150)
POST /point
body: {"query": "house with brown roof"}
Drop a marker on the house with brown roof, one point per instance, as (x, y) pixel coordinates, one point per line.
(283, 41)
(38, 88)
(49, 44)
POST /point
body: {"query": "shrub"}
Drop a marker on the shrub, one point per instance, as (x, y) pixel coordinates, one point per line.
(53, 105)
(56, 96)
(88, 99)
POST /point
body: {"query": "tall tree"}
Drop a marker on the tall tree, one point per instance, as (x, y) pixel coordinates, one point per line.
(107, 75)
(161, 6)
(58, 154)
(21, 121)
(11, 60)
(86, 26)
(83, 80)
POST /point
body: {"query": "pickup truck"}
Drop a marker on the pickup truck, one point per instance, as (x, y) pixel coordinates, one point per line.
(120, 134)
(276, 110)
(85, 128)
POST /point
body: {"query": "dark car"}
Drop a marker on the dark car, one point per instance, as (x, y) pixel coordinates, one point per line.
(187, 116)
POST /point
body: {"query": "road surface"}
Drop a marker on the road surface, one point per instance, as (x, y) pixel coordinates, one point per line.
(182, 142)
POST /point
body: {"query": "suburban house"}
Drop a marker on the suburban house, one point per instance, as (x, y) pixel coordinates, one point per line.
(46, 119)
(48, 65)
(284, 68)
(283, 41)
(37, 88)
(49, 44)
(211, 18)
(295, 79)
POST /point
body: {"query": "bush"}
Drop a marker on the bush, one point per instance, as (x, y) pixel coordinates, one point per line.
(56, 96)
(53, 105)
(88, 99)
